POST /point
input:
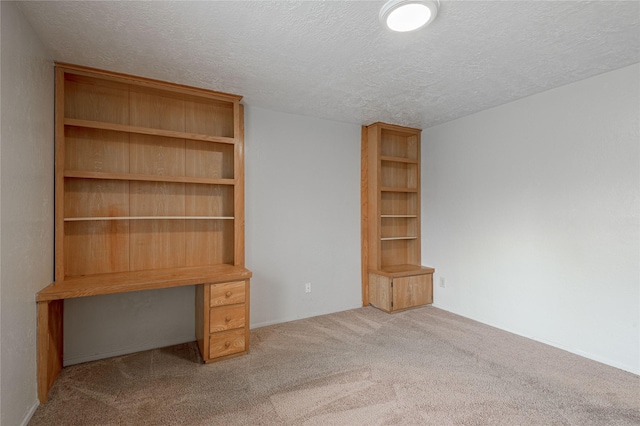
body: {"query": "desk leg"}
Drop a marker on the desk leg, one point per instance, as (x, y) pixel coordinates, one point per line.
(50, 345)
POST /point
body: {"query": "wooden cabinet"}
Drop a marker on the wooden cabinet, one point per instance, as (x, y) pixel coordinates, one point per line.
(149, 194)
(392, 276)
(394, 291)
(223, 319)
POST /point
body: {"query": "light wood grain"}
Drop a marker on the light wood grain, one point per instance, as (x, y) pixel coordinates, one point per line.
(156, 110)
(147, 131)
(226, 318)
(404, 270)
(92, 218)
(50, 345)
(149, 195)
(398, 227)
(209, 160)
(90, 99)
(96, 247)
(94, 285)
(391, 210)
(238, 201)
(115, 78)
(373, 196)
(400, 175)
(202, 310)
(95, 150)
(364, 214)
(409, 292)
(226, 343)
(209, 117)
(83, 197)
(247, 314)
(209, 242)
(399, 203)
(229, 293)
(400, 143)
(59, 176)
(146, 178)
(380, 292)
(215, 200)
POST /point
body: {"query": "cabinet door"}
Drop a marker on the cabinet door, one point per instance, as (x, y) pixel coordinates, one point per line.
(412, 291)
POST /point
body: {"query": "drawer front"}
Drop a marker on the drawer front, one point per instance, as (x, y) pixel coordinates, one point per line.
(226, 318)
(412, 291)
(226, 343)
(227, 294)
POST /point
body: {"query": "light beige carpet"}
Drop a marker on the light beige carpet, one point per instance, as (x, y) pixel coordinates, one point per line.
(359, 367)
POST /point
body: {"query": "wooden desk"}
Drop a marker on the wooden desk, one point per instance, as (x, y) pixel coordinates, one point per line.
(233, 279)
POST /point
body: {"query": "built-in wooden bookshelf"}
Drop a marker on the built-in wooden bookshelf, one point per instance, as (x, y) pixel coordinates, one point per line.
(391, 219)
(149, 194)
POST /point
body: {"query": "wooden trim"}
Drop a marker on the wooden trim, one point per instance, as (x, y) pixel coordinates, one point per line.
(247, 313)
(50, 345)
(147, 82)
(374, 197)
(238, 207)
(419, 204)
(364, 212)
(395, 127)
(59, 176)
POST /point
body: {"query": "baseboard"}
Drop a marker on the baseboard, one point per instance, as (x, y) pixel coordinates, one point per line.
(575, 351)
(128, 350)
(32, 410)
(310, 315)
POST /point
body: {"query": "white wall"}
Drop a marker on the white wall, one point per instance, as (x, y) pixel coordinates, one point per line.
(26, 194)
(302, 225)
(531, 213)
(303, 215)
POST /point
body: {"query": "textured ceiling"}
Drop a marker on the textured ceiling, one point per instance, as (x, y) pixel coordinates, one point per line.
(333, 60)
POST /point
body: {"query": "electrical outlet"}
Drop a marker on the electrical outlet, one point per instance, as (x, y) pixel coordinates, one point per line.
(442, 282)
(307, 288)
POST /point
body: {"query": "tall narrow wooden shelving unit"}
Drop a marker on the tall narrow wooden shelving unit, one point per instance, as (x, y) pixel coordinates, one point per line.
(149, 194)
(392, 276)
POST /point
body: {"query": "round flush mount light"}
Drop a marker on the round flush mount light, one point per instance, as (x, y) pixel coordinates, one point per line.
(408, 15)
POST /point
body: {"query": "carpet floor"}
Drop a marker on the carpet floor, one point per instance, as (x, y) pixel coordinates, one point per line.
(359, 367)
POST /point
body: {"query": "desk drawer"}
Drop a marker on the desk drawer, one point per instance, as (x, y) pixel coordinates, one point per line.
(226, 318)
(226, 343)
(227, 293)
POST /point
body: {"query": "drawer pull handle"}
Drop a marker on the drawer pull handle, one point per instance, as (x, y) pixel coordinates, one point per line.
(228, 294)
(227, 344)
(227, 319)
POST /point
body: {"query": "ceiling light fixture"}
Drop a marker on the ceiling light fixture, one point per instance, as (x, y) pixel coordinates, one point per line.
(408, 15)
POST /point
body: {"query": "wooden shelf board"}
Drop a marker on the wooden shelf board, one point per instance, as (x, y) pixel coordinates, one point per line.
(122, 282)
(147, 178)
(398, 159)
(146, 131)
(398, 216)
(80, 219)
(395, 271)
(398, 238)
(397, 189)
